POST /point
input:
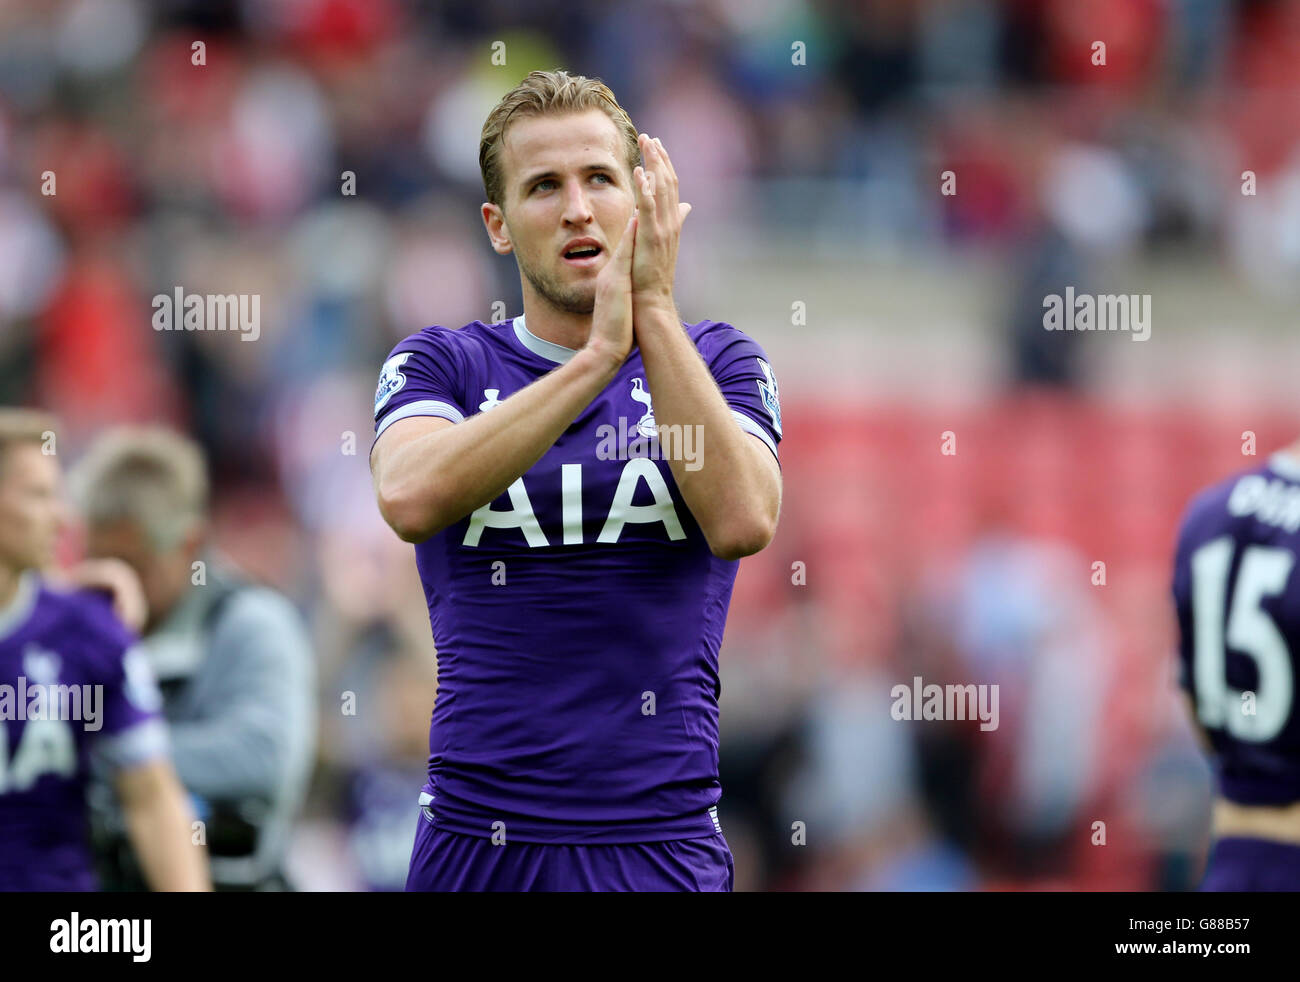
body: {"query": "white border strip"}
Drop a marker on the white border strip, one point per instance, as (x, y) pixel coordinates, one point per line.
(425, 407)
(549, 350)
(135, 745)
(749, 426)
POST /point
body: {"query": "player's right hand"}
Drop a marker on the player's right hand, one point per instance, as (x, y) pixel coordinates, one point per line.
(611, 318)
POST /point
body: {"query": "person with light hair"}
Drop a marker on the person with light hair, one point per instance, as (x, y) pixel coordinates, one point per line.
(232, 657)
(75, 693)
(577, 580)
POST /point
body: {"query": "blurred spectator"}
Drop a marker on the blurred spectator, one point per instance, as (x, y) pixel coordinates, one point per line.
(232, 658)
(314, 156)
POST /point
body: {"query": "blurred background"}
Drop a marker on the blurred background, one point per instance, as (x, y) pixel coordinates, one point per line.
(812, 138)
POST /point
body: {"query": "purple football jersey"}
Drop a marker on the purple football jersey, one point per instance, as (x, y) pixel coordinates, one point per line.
(1237, 594)
(71, 685)
(577, 618)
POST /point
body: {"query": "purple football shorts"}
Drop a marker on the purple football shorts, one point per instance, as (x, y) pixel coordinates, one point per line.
(1238, 864)
(443, 860)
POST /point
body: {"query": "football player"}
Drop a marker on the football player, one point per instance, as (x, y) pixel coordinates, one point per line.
(72, 684)
(1237, 594)
(580, 481)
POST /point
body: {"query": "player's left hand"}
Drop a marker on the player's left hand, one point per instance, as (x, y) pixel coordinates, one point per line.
(659, 226)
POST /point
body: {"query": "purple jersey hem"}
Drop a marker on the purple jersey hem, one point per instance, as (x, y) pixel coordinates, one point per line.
(478, 822)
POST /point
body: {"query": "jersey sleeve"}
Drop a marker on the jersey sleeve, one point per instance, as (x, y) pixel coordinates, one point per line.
(132, 731)
(743, 372)
(421, 377)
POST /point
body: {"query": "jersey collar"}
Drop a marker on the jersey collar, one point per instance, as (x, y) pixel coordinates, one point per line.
(549, 350)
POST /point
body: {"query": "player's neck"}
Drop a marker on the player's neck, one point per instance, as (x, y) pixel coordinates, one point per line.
(556, 326)
(8, 585)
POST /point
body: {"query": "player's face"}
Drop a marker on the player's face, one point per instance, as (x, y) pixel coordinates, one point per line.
(565, 178)
(32, 511)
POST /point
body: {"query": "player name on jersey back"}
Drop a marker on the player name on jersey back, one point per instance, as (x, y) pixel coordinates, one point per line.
(1237, 596)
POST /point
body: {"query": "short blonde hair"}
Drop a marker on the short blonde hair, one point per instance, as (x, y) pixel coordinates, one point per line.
(553, 93)
(148, 474)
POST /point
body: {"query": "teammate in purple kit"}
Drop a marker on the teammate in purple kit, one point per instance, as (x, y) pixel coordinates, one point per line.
(71, 686)
(1237, 593)
(579, 482)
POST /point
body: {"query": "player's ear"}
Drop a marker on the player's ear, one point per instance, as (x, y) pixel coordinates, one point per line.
(494, 220)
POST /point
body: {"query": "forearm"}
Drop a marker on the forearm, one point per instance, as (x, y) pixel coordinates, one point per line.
(159, 824)
(441, 477)
(724, 483)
